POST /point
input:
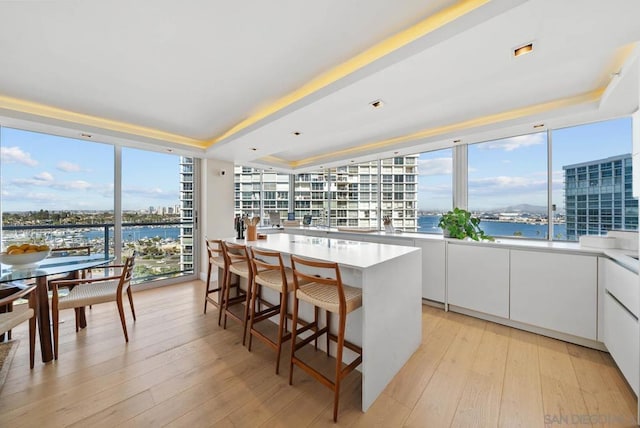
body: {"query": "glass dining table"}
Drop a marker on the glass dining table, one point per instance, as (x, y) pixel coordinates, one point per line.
(11, 278)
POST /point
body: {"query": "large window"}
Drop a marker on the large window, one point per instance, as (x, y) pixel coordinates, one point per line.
(60, 191)
(592, 176)
(261, 194)
(435, 188)
(507, 185)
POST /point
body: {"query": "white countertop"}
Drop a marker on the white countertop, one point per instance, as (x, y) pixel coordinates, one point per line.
(355, 254)
(623, 257)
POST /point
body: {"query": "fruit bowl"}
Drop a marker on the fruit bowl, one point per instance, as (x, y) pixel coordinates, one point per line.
(25, 260)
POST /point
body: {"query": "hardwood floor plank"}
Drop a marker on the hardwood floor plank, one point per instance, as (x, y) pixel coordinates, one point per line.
(521, 404)
(480, 402)
(181, 369)
(438, 403)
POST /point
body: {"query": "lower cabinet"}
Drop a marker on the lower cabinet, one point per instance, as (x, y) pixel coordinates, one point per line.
(622, 340)
(433, 269)
(478, 278)
(555, 291)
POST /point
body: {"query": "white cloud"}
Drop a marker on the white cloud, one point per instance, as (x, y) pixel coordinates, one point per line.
(73, 185)
(68, 167)
(154, 192)
(44, 176)
(513, 143)
(436, 166)
(16, 155)
(503, 185)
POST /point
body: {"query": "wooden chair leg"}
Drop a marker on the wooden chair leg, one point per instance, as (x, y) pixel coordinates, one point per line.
(56, 320)
(282, 328)
(247, 302)
(252, 313)
(221, 295)
(294, 330)
(206, 290)
(316, 311)
(342, 318)
(328, 316)
(76, 312)
(32, 340)
(130, 296)
(122, 320)
(227, 285)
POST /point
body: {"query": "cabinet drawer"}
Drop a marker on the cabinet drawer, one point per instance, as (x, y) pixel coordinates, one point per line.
(622, 339)
(623, 285)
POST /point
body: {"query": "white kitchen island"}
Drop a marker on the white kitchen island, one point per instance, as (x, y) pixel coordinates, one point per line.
(389, 324)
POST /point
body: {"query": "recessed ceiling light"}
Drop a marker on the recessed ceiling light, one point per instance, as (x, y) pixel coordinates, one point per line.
(170, 150)
(86, 135)
(539, 125)
(524, 49)
(376, 103)
(352, 161)
(395, 153)
(297, 133)
(254, 149)
(457, 141)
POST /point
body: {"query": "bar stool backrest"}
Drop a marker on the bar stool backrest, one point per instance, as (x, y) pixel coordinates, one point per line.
(264, 260)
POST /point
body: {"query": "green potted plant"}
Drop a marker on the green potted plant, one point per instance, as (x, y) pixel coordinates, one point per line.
(460, 224)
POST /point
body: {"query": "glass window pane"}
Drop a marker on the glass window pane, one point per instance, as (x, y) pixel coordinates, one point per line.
(56, 190)
(435, 188)
(593, 161)
(158, 212)
(508, 185)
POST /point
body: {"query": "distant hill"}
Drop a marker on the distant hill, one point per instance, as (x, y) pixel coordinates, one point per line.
(522, 208)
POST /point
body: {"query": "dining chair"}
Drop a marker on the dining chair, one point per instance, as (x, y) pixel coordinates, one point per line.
(19, 314)
(269, 271)
(320, 284)
(91, 291)
(216, 258)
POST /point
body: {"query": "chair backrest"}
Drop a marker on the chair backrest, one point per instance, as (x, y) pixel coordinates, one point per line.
(214, 248)
(127, 273)
(234, 253)
(9, 319)
(327, 273)
(263, 260)
(71, 251)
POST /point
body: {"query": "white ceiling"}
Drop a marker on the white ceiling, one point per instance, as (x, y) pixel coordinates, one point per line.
(182, 74)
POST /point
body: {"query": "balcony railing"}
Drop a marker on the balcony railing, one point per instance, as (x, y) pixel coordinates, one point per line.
(157, 244)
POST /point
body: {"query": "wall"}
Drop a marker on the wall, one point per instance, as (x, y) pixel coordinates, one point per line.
(216, 209)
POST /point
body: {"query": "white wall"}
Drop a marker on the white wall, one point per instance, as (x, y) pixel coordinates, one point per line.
(217, 205)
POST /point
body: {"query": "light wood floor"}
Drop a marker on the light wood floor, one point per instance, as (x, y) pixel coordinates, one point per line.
(181, 369)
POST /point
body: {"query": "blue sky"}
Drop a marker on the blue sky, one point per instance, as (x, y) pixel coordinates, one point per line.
(514, 170)
(41, 171)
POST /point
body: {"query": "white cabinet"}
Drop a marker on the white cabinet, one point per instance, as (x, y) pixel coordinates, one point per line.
(433, 269)
(622, 340)
(555, 291)
(478, 278)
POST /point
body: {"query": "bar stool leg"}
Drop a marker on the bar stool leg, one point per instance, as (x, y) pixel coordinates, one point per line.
(282, 328)
(328, 317)
(227, 286)
(221, 295)
(206, 290)
(293, 337)
(247, 302)
(340, 346)
(252, 314)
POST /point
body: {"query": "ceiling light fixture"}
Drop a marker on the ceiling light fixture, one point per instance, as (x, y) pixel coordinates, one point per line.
(395, 153)
(297, 133)
(457, 141)
(254, 149)
(524, 49)
(170, 150)
(86, 135)
(539, 125)
(376, 103)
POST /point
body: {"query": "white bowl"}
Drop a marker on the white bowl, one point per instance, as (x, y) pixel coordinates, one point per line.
(23, 260)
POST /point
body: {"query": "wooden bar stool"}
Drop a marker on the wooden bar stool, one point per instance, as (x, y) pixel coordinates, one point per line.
(216, 258)
(320, 284)
(269, 271)
(237, 262)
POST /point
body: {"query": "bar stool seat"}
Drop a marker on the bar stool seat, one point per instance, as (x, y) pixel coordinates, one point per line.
(326, 296)
(320, 284)
(273, 279)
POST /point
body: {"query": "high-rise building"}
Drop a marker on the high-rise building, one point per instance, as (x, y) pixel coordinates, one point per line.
(186, 213)
(598, 196)
(356, 195)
